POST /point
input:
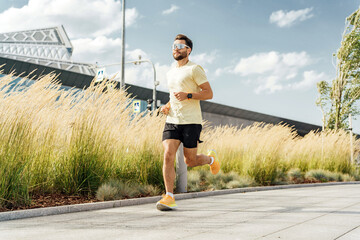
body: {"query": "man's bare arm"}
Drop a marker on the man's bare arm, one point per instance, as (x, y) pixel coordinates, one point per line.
(205, 93)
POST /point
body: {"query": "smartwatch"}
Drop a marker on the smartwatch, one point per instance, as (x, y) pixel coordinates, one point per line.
(189, 96)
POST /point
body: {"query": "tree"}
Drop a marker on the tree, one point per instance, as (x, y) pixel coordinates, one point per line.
(338, 100)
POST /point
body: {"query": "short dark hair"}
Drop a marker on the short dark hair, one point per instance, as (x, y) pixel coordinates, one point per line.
(187, 40)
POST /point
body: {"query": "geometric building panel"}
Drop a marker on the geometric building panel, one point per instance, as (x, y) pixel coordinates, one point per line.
(47, 46)
(49, 43)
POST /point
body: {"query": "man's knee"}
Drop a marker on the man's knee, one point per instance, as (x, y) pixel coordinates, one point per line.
(169, 156)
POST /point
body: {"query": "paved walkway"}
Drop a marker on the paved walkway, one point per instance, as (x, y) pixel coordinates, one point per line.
(326, 212)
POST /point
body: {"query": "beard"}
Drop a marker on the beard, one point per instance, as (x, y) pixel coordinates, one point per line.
(180, 56)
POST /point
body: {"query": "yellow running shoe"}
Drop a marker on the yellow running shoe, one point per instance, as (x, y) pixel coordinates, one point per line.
(166, 203)
(215, 167)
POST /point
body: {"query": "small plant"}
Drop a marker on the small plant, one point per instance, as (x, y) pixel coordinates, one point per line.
(295, 175)
(317, 175)
(150, 190)
(218, 181)
(334, 176)
(106, 192)
(240, 182)
(203, 180)
(194, 181)
(347, 178)
(117, 189)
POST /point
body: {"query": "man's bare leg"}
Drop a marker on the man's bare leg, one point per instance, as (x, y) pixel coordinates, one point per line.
(192, 159)
(170, 148)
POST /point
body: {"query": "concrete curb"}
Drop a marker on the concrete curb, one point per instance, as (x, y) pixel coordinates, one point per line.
(38, 212)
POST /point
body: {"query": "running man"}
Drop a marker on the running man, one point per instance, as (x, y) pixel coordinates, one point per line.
(188, 85)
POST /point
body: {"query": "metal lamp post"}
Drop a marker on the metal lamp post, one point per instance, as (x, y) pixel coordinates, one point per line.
(122, 83)
(351, 140)
(156, 83)
(137, 62)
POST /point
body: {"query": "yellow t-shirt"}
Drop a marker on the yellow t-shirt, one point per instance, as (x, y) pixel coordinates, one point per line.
(186, 78)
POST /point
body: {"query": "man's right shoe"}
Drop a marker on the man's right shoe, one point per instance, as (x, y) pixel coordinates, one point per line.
(215, 167)
(166, 203)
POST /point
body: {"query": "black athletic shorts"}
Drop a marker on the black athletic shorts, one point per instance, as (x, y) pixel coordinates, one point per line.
(188, 134)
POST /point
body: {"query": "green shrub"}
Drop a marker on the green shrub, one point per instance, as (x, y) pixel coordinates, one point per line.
(106, 192)
(347, 178)
(263, 169)
(334, 176)
(317, 175)
(15, 157)
(203, 180)
(240, 183)
(295, 175)
(194, 181)
(117, 189)
(84, 167)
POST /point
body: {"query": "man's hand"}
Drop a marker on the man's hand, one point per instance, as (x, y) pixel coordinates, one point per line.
(165, 109)
(181, 96)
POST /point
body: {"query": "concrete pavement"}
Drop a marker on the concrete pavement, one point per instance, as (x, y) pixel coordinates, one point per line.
(322, 212)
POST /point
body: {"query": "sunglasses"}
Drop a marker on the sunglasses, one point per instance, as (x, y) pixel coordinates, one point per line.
(179, 46)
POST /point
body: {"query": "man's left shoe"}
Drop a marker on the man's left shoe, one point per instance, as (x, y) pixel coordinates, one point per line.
(166, 203)
(215, 167)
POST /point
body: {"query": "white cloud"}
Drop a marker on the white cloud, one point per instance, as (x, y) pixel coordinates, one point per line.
(286, 19)
(310, 78)
(225, 70)
(273, 71)
(143, 75)
(270, 84)
(172, 9)
(100, 49)
(257, 64)
(204, 58)
(285, 65)
(81, 18)
(219, 72)
(89, 24)
(295, 59)
(108, 51)
(134, 54)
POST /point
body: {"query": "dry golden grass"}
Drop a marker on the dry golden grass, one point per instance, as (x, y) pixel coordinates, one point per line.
(58, 140)
(265, 151)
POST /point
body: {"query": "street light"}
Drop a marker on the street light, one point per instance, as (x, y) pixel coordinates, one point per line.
(156, 83)
(138, 62)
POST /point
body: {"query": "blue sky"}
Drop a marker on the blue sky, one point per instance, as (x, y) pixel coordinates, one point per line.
(260, 55)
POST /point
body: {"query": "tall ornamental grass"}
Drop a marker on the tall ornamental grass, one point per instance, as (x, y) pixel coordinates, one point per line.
(266, 152)
(73, 142)
(56, 140)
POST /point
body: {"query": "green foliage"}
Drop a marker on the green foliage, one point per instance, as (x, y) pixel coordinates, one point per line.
(295, 175)
(117, 189)
(15, 156)
(202, 180)
(83, 167)
(140, 166)
(263, 169)
(195, 181)
(348, 178)
(338, 100)
(320, 175)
